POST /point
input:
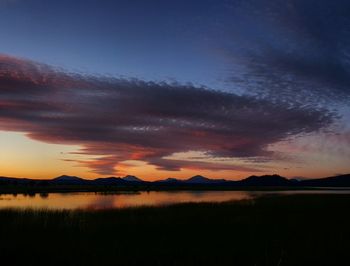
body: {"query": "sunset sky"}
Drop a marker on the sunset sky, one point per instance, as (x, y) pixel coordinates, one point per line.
(221, 88)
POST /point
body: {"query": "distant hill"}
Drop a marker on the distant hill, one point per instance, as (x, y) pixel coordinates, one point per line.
(169, 180)
(266, 180)
(68, 180)
(109, 181)
(17, 180)
(332, 181)
(132, 178)
(198, 179)
(195, 181)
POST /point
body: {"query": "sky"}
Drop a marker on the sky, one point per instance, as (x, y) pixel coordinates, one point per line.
(157, 89)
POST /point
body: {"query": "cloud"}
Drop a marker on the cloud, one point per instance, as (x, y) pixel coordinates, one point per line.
(297, 50)
(115, 120)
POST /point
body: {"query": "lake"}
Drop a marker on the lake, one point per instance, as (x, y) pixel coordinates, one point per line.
(96, 200)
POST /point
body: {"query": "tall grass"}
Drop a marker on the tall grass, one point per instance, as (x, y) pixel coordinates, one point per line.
(275, 230)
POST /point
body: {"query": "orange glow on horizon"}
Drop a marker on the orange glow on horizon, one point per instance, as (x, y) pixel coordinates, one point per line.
(21, 156)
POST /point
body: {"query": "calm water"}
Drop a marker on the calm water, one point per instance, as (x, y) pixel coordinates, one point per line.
(92, 200)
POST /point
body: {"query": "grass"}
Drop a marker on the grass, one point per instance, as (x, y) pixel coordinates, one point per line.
(273, 230)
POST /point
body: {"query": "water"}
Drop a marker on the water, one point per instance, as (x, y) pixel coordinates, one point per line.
(92, 200)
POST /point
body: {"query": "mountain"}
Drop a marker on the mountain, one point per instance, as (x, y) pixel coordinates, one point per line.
(195, 181)
(132, 178)
(332, 181)
(69, 180)
(169, 180)
(98, 181)
(198, 179)
(16, 180)
(266, 180)
(110, 181)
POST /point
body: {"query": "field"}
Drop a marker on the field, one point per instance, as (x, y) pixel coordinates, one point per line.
(274, 230)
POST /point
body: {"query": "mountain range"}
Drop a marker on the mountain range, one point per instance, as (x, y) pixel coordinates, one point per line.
(251, 181)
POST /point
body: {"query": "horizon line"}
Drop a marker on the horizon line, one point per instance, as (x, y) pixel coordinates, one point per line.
(180, 179)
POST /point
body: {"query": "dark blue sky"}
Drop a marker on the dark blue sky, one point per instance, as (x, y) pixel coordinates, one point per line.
(209, 42)
(147, 39)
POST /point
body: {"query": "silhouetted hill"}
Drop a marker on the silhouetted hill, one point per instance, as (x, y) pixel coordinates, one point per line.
(198, 179)
(110, 181)
(132, 178)
(195, 182)
(170, 180)
(332, 181)
(68, 180)
(266, 180)
(15, 180)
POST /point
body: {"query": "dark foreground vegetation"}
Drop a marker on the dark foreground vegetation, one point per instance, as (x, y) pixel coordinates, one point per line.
(274, 230)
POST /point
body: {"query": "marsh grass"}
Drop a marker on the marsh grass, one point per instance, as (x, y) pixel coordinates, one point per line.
(271, 230)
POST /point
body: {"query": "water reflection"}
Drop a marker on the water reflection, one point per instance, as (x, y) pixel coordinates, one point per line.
(110, 200)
